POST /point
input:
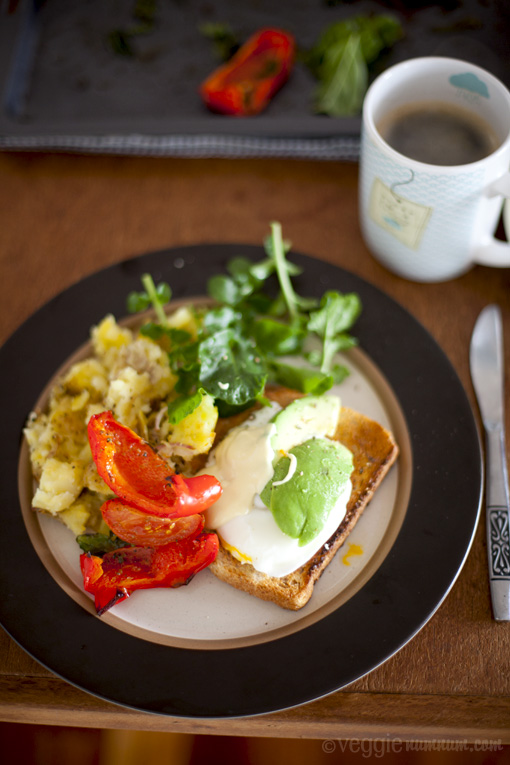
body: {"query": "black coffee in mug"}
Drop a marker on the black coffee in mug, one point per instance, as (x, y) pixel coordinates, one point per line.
(438, 133)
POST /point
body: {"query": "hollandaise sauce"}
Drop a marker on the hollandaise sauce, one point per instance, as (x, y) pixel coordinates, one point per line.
(243, 463)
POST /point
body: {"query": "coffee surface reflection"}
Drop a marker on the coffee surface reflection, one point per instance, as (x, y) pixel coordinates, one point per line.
(438, 133)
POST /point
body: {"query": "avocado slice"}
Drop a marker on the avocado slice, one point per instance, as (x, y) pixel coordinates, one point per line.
(302, 419)
(302, 502)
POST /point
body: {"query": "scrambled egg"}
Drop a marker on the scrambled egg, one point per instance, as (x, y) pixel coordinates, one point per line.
(130, 375)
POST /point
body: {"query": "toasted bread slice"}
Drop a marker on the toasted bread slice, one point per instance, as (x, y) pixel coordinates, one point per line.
(374, 451)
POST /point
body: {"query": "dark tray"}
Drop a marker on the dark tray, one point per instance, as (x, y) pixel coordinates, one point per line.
(65, 89)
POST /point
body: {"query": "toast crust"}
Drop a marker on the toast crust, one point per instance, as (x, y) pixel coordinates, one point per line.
(374, 451)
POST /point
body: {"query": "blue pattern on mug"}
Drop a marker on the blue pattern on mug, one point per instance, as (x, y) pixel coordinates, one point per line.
(472, 83)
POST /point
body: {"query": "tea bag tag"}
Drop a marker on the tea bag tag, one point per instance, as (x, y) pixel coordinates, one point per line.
(405, 220)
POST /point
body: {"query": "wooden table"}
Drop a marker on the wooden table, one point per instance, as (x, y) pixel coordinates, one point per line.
(63, 217)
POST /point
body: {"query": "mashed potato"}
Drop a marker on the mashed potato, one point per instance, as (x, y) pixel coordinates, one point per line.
(130, 375)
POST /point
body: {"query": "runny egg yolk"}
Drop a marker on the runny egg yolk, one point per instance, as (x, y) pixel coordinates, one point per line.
(235, 552)
(352, 550)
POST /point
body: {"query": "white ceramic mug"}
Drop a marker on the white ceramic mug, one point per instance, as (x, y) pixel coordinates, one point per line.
(431, 223)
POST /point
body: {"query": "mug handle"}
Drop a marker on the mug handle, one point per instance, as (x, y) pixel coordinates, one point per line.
(493, 252)
(499, 187)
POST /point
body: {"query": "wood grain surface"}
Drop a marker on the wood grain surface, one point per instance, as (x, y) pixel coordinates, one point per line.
(64, 217)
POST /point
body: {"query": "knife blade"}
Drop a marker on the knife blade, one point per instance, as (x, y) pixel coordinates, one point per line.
(487, 373)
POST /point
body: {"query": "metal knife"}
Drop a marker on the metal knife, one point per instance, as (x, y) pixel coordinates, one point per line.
(487, 373)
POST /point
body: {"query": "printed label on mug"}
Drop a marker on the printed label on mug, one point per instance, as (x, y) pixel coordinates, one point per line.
(404, 219)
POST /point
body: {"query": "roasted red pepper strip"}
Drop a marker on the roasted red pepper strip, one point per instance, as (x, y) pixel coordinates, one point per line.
(104, 597)
(248, 81)
(119, 573)
(139, 476)
(140, 528)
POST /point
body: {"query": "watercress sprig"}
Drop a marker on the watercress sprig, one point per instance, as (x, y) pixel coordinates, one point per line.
(278, 250)
(158, 297)
(241, 341)
(331, 322)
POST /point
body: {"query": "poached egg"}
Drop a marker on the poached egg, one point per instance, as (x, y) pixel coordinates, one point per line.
(243, 462)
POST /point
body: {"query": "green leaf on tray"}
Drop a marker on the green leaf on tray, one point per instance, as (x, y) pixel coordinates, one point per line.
(341, 57)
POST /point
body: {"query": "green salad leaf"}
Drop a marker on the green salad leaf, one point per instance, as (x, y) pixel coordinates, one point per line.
(98, 543)
(341, 57)
(184, 405)
(305, 380)
(259, 319)
(157, 296)
(231, 369)
(341, 92)
(331, 322)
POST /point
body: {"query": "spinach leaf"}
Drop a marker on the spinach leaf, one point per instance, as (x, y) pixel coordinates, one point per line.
(230, 368)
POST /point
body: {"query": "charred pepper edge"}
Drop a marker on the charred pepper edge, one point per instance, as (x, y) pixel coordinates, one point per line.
(222, 93)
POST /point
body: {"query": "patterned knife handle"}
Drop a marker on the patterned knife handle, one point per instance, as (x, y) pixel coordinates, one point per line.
(498, 523)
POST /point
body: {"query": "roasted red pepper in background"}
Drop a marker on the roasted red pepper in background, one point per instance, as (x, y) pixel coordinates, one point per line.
(117, 574)
(144, 530)
(135, 473)
(247, 82)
